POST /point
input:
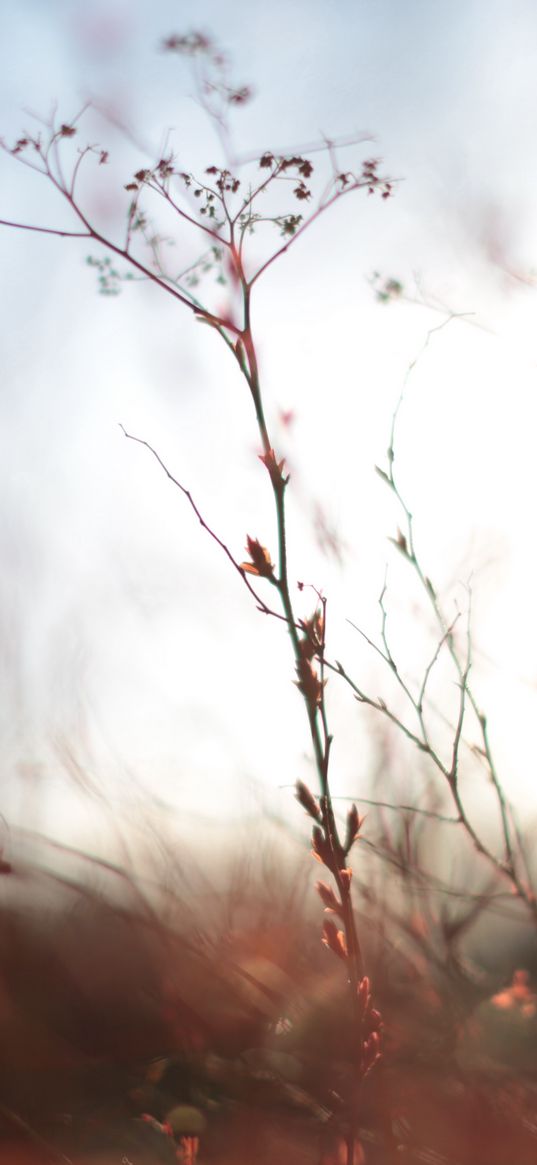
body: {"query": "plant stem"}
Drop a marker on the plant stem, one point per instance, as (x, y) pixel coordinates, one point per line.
(316, 715)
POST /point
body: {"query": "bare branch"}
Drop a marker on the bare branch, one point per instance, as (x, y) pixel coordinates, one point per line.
(22, 226)
(261, 605)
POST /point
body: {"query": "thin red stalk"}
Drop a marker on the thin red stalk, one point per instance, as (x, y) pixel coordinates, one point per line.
(316, 715)
(300, 230)
(22, 226)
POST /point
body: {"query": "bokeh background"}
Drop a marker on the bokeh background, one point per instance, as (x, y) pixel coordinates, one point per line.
(139, 686)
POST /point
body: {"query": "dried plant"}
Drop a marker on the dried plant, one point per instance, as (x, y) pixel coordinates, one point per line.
(277, 197)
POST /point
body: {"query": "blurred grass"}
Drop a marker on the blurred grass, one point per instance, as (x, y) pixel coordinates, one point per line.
(211, 992)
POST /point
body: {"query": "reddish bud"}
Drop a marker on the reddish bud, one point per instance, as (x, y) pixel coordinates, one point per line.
(334, 939)
(372, 1021)
(371, 1052)
(274, 467)
(321, 849)
(240, 96)
(401, 543)
(364, 992)
(305, 798)
(313, 629)
(353, 828)
(328, 898)
(309, 683)
(261, 563)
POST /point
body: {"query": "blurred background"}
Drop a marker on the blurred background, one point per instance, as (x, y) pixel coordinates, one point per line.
(138, 682)
(155, 896)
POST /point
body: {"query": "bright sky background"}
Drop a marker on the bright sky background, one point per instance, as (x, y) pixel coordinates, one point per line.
(127, 643)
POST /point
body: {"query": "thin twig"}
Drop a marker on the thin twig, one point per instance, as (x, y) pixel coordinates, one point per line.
(261, 605)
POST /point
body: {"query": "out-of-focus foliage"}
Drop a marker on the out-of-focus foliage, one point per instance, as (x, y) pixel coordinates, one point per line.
(136, 1023)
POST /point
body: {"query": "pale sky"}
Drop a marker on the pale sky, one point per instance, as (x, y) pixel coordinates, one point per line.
(128, 647)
